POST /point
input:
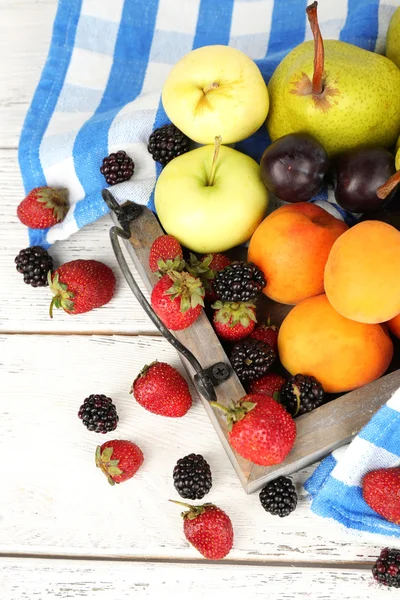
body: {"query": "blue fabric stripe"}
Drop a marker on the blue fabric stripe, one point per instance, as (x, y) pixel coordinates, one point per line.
(288, 23)
(346, 505)
(384, 430)
(45, 100)
(125, 82)
(214, 23)
(320, 475)
(361, 27)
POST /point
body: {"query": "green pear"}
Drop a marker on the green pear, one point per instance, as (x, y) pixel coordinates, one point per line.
(393, 38)
(341, 94)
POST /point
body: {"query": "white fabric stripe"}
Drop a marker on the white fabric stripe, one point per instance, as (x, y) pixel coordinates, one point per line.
(394, 401)
(109, 10)
(331, 18)
(249, 18)
(362, 457)
(178, 18)
(96, 74)
(386, 10)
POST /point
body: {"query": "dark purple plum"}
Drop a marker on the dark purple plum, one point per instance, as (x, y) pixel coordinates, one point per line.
(293, 167)
(357, 174)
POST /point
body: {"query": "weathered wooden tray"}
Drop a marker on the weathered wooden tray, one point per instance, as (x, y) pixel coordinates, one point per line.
(318, 433)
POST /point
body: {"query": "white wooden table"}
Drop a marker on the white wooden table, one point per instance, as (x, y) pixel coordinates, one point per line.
(64, 533)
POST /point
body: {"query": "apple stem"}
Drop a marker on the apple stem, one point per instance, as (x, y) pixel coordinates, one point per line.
(317, 82)
(210, 86)
(384, 190)
(217, 145)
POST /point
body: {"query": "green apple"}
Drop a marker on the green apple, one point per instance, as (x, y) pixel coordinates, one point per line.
(216, 91)
(211, 202)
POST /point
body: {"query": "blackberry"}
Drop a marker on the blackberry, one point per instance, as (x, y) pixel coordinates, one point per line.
(251, 359)
(99, 414)
(34, 263)
(279, 497)
(117, 167)
(386, 570)
(166, 143)
(301, 394)
(192, 477)
(238, 282)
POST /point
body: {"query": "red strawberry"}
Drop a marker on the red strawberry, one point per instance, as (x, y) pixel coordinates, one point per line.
(205, 269)
(81, 285)
(381, 491)
(234, 321)
(268, 334)
(119, 460)
(261, 430)
(162, 390)
(208, 529)
(166, 255)
(178, 299)
(43, 207)
(268, 385)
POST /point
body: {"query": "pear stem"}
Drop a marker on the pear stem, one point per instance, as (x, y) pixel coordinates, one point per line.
(384, 190)
(210, 86)
(317, 82)
(220, 406)
(217, 145)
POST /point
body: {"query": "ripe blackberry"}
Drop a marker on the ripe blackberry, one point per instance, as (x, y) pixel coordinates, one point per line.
(238, 282)
(34, 263)
(99, 414)
(117, 167)
(251, 359)
(386, 570)
(192, 477)
(279, 497)
(301, 394)
(166, 143)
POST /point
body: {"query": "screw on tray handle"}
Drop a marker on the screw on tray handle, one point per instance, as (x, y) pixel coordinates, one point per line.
(205, 379)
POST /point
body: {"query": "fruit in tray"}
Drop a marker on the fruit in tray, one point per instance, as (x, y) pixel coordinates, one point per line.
(358, 174)
(341, 354)
(234, 321)
(211, 199)
(291, 247)
(260, 429)
(341, 94)
(178, 299)
(162, 390)
(206, 268)
(293, 167)
(394, 326)
(393, 38)
(166, 255)
(251, 359)
(216, 90)
(362, 274)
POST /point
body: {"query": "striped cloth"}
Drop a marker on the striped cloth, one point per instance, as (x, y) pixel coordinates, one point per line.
(108, 59)
(335, 486)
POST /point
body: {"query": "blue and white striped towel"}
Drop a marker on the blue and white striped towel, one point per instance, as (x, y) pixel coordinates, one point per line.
(100, 87)
(335, 485)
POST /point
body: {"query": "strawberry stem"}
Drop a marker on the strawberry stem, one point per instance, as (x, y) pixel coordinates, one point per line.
(384, 190)
(181, 503)
(217, 145)
(52, 303)
(317, 82)
(220, 406)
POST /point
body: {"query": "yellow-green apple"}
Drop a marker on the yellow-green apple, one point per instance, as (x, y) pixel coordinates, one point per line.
(216, 90)
(211, 198)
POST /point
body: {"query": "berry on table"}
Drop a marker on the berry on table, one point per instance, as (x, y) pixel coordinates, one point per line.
(233, 321)
(99, 414)
(301, 394)
(239, 282)
(267, 333)
(178, 299)
(279, 497)
(386, 570)
(34, 263)
(251, 359)
(117, 167)
(43, 207)
(166, 255)
(119, 460)
(268, 385)
(167, 142)
(208, 529)
(192, 477)
(162, 390)
(80, 286)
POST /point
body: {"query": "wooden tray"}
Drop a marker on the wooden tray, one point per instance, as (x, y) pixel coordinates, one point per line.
(318, 433)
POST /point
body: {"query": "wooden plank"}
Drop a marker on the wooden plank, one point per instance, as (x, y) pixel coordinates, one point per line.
(40, 579)
(55, 501)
